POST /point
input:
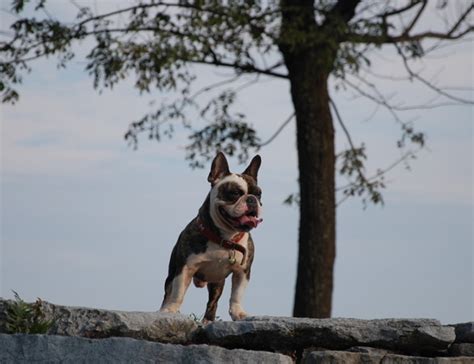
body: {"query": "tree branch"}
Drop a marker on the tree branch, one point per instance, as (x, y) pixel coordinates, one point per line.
(214, 85)
(415, 19)
(416, 76)
(353, 161)
(461, 19)
(247, 68)
(387, 39)
(343, 126)
(278, 131)
(406, 37)
(400, 10)
(380, 173)
(379, 99)
(153, 4)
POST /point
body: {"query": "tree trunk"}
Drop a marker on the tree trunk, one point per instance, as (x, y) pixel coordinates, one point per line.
(316, 159)
(308, 68)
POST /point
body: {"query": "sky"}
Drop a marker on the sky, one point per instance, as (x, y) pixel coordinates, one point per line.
(86, 220)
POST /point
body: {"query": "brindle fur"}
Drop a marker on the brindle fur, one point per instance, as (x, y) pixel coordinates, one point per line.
(192, 242)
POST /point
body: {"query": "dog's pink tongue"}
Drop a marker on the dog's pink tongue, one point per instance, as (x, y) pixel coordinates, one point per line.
(251, 221)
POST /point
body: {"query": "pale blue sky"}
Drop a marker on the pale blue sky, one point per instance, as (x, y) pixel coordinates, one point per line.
(85, 220)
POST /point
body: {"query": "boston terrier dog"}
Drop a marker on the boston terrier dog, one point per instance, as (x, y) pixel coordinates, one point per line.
(217, 241)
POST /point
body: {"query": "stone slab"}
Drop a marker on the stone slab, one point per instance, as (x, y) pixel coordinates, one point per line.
(285, 333)
(99, 323)
(23, 349)
(344, 357)
(464, 332)
(462, 349)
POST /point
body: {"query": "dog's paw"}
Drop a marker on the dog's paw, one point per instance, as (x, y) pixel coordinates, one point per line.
(237, 313)
(170, 309)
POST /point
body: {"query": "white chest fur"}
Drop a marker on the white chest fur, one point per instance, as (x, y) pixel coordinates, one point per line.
(214, 264)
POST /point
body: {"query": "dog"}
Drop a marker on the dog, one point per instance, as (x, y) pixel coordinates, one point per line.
(217, 241)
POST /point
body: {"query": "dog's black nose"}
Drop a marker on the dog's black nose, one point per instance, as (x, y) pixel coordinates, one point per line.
(251, 201)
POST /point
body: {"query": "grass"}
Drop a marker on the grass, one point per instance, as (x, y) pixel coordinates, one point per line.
(26, 318)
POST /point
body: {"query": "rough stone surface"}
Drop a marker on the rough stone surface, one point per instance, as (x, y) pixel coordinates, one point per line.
(76, 330)
(344, 357)
(285, 333)
(462, 349)
(62, 349)
(464, 332)
(98, 323)
(369, 350)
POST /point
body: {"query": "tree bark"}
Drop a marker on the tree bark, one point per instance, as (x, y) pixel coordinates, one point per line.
(317, 233)
(308, 68)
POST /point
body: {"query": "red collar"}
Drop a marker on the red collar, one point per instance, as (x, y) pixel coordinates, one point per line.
(232, 244)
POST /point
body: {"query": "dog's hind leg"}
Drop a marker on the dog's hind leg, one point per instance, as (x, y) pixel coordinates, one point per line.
(175, 289)
(215, 292)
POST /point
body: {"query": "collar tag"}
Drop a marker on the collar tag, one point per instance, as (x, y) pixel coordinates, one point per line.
(232, 244)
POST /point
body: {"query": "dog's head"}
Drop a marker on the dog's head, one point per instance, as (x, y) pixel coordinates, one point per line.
(235, 199)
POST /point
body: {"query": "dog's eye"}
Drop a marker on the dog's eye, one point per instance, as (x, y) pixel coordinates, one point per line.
(236, 193)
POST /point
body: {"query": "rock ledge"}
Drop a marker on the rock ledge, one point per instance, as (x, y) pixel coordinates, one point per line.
(118, 336)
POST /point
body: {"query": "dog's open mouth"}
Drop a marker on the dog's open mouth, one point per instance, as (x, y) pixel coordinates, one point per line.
(247, 221)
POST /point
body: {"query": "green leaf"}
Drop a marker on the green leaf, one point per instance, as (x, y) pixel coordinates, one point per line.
(26, 318)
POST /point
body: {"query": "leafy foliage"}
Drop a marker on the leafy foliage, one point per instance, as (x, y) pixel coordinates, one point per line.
(292, 199)
(352, 164)
(26, 318)
(225, 132)
(158, 44)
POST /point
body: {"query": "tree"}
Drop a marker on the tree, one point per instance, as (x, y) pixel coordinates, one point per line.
(303, 41)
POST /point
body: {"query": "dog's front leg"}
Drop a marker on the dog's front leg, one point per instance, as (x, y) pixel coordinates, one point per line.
(175, 292)
(239, 282)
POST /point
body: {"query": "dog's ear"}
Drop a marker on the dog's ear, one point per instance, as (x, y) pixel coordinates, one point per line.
(219, 168)
(252, 169)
